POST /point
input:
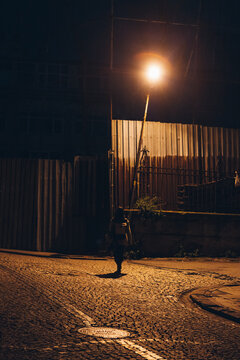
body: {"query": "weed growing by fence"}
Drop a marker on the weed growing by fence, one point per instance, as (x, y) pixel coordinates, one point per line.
(148, 206)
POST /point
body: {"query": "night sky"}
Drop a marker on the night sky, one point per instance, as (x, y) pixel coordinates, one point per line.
(205, 60)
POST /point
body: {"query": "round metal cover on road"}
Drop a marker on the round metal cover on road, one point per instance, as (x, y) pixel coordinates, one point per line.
(104, 332)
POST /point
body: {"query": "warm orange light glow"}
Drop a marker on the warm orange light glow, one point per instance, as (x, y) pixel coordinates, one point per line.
(154, 73)
(153, 68)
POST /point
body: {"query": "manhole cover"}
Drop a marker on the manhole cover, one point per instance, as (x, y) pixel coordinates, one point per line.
(104, 332)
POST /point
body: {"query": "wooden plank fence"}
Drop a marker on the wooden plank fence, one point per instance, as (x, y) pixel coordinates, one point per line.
(175, 154)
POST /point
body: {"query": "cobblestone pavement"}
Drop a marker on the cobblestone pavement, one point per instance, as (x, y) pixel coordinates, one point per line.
(45, 301)
(223, 301)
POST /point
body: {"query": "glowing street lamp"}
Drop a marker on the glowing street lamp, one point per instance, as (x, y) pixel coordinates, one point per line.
(153, 73)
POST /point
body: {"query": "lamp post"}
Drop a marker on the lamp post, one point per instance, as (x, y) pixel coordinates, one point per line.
(154, 73)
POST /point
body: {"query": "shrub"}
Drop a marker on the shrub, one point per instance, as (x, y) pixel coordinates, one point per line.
(148, 206)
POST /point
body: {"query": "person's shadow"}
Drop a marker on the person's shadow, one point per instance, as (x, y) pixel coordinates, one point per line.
(110, 276)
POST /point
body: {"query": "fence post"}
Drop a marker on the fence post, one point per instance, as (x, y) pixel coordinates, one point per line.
(111, 181)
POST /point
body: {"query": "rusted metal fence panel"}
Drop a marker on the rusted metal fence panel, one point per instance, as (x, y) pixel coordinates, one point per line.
(174, 155)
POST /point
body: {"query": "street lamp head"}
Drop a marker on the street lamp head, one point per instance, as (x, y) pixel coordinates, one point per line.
(154, 73)
(153, 68)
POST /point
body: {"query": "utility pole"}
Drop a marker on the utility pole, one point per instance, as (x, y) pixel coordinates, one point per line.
(134, 182)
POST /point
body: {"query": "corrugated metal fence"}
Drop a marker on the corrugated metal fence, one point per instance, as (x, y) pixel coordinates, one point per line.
(51, 204)
(174, 155)
(35, 204)
(90, 202)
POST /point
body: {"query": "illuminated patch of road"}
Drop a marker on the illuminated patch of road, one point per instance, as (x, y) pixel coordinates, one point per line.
(87, 320)
(90, 325)
(130, 345)
(117, 334)
(111, 333)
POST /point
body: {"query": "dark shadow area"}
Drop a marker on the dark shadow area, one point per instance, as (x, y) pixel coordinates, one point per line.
(59, 256)
(50, 255)
(29, 253)
(110, 276)
(74, 257)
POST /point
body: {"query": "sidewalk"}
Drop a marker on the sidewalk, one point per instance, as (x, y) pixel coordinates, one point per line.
(223, 301)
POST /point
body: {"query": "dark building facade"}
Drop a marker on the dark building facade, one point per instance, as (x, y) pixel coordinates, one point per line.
(60, 62)
(54, 92)
(52, 109)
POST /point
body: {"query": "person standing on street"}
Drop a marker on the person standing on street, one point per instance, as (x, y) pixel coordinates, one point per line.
(121, 235)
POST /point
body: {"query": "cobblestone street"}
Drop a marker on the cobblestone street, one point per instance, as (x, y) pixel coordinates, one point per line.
(44, 301)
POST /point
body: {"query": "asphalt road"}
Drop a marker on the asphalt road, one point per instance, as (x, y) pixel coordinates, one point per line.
(45, 301)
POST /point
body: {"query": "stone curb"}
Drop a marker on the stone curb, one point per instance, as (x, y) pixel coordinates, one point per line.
(205, 301)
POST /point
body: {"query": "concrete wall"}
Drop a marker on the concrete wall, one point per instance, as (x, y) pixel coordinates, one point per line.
(167, 234)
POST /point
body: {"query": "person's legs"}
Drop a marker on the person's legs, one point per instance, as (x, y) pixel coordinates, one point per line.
(118, 257)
